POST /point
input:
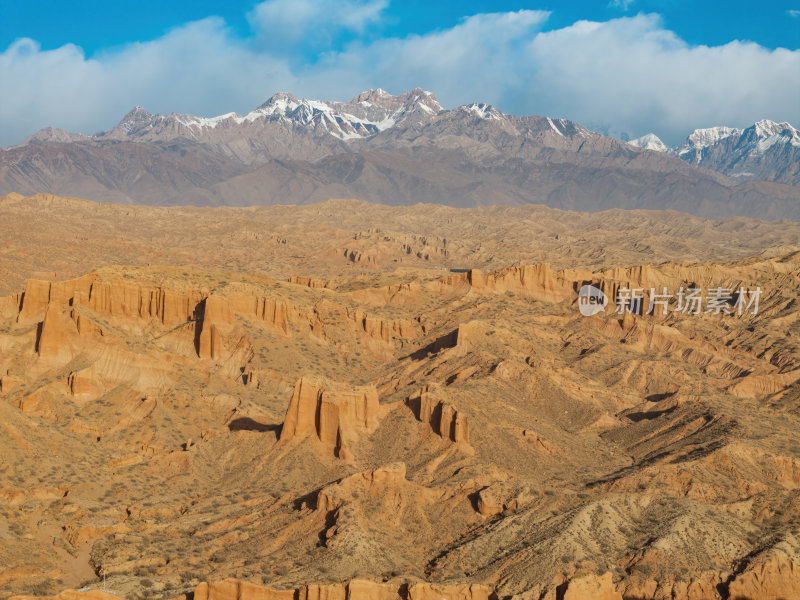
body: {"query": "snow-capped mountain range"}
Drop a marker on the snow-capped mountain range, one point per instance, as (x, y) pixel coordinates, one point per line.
(401, 150)
(766, 150)
(287, 127)
(365, 115)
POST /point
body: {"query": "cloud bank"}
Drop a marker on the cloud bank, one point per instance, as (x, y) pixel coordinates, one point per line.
(625, 76)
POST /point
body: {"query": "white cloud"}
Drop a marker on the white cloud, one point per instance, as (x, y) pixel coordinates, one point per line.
(476, 60)
(623, 4)
(198, 68)
(625, 75)
(793, 12)
(631, 75)
(282, 24)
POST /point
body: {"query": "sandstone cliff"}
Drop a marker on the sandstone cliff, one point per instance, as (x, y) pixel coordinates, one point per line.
(334, 414)
(431, 407)
(353, 590)
(54, 337)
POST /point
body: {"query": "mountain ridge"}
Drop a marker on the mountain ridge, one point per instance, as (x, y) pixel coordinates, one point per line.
(381, 148)
(765, 150)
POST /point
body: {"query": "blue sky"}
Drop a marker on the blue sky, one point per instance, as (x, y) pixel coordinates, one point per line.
(625, 67)
(101, 24)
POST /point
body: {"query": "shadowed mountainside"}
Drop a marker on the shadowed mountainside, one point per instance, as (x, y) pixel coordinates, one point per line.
(395, 150)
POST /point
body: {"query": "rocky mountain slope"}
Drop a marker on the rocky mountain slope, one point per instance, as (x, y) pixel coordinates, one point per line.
(766, 151)
(303, 403)
(396, 150)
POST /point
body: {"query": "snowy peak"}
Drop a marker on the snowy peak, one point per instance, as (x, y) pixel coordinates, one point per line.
(703, 138)
(135, 115)
(365, 115)
(758, 138)
(279, 99)
(278, 103)
(333, 118)
(421, 100)
(766, 128)
(482, 110)
(416, 98)
(765, 134)
(135, 121)
(765, 150)
(286, 105)
(649, 141)
(376, 96)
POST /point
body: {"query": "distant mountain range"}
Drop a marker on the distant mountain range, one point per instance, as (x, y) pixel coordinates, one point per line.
(403, 150)
(766, 150)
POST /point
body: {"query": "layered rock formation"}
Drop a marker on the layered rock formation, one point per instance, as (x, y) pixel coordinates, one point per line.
(538, 451)
(312, 282)
(55, 330)
(502, 496)
(216, 318)
(355, 589)
(334, 414)
(378, 482)
(385, 330)
(540, 281)
(591, 587)
(431, 408)
(768, 577)
(85, 383)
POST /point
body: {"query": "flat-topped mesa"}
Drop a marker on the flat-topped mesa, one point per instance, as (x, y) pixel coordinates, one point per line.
(538, 281)
(355, 589)
(384, 330)
(114, 298)
(276, 313)
(312, 282)
(216, 318)
(172, 308)
(431, 407)
(543, 283)
(39, 294)
(121, 299)
(335, 415)
(54, 335)
(445, 591)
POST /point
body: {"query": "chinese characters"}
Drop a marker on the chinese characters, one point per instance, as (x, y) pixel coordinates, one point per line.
(689, 301)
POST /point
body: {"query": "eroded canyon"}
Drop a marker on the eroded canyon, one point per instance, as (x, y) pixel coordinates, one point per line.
(350, 401)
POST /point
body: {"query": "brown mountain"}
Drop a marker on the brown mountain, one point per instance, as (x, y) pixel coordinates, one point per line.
(377, 147)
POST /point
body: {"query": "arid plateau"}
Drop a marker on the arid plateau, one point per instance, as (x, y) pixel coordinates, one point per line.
(349, 401)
